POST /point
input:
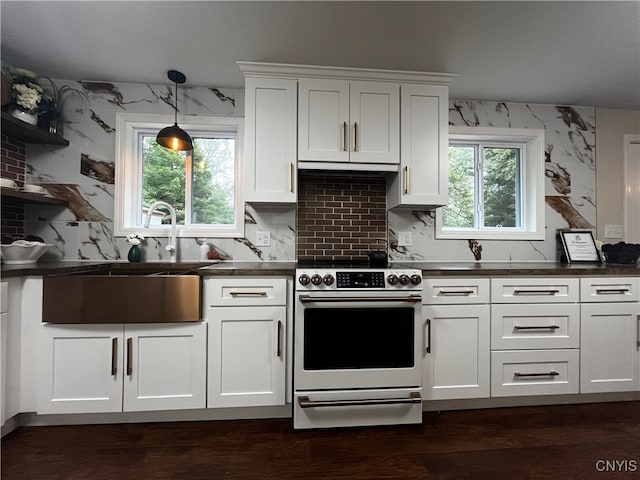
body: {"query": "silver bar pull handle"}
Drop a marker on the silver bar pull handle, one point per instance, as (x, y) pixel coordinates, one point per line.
(452, 293)
(551, 291)
(536, 327)
(345, 140)
(428, 347)
(406, 179)
(355, 136)
(638, 333)
(544, 374)
(304, 402)
(129, 356)
(279, 336)
(408, 298)
(248, 294)
(291, 175)
(611, 291)
(114, 356)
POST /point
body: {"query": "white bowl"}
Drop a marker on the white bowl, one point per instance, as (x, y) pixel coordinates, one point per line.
(6, 182)
(22, 252)
(34, 188)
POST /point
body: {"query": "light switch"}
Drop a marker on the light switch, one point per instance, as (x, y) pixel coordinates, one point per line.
(263, 239)
(405, 239)
(613, 231)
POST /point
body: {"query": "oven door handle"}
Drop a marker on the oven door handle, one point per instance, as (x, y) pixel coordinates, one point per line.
(304, 402)
(408, 298)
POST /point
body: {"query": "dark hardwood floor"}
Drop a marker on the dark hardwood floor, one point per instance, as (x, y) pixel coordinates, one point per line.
(551, 442)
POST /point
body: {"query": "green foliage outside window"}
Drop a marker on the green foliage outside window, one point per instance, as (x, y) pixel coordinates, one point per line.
(212, 180)
(490, 201)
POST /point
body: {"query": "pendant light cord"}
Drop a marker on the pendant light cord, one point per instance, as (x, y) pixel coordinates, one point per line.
(175, 108)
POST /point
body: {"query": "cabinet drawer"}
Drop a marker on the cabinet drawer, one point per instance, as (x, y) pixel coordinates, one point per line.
(454, 291)
(613, 289)
(534, 372)
(536, 326)
(534, 290)
(245, 291)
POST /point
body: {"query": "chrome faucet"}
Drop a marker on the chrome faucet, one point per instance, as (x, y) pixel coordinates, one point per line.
(172, 246)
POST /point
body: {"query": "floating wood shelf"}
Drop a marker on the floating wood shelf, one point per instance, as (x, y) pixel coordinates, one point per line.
(26, 197)
(29, 133)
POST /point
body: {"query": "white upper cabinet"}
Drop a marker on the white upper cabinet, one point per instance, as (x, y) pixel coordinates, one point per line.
(423, 179)
(270, 140)
(348, 121)
(310, 117)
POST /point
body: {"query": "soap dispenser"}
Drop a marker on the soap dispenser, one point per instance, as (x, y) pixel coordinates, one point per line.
(205, 248)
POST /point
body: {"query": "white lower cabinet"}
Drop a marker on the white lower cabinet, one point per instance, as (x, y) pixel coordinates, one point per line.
(115, 368)
(456, 361)
(457, 341)
(610, 347)
(246, 356)
(535, 336)
(247, 341)
(610, 337)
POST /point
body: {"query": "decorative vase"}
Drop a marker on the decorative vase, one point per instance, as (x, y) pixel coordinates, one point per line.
(134, 254)
(27, 117)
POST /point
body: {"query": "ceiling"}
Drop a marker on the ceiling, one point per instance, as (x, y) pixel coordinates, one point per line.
(572, 53)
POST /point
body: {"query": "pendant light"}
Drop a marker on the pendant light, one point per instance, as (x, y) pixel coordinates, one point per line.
(174, 137)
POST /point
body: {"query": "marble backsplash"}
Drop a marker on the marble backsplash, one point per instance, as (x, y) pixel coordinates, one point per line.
(570, 187)
(83, 173)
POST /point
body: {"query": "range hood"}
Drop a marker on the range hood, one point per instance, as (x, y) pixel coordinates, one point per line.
(348, 167)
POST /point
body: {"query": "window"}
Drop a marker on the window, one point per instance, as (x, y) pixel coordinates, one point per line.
(202, 185)
(496, 185)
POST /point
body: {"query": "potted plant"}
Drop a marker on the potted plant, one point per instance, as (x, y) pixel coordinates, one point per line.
(26, 94)
(52, 105)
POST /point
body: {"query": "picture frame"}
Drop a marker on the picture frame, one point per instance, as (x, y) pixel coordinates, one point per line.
(579, 246)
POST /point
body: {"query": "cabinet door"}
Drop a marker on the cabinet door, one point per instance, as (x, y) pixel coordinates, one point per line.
(246, 356)
(456, 353)
(423, 179)
(375, 122)
(609, 348)
(270, 140)
(323, 120)
(165, 366)
(3, 366)
(80, 369)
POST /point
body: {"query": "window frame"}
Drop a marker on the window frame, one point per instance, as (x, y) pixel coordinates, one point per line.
(532, 183)
(130, 127)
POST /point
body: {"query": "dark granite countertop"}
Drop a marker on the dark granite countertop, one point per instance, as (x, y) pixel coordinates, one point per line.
(206, 269)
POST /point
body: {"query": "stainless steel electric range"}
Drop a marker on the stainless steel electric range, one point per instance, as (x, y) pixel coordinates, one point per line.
(357, 347)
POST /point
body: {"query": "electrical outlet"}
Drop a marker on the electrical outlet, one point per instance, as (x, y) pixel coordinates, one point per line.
(405, 239)
(263, 239)
(613, 231)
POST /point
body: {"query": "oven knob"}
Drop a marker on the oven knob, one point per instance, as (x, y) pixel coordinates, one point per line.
(416, 279)
(328, 279)
(404, 279)
(392, 279)
(316, 279)
(304, 279)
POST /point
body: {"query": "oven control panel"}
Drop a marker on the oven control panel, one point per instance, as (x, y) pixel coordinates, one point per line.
(358, 279)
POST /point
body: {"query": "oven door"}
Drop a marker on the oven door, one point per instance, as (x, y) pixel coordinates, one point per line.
(357, 340)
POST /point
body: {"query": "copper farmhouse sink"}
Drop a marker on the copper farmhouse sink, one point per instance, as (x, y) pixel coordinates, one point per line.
(158, 297)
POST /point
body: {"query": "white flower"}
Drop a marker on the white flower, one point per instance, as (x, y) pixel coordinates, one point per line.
(135, 238)
(27, 96)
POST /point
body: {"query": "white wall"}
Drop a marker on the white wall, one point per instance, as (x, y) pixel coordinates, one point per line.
(611, 125)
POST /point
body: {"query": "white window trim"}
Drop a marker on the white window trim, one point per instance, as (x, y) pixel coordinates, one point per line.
(533, 184)
(128, 182)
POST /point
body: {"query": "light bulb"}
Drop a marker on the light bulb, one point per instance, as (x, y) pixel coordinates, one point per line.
(175, 143)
